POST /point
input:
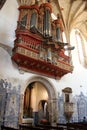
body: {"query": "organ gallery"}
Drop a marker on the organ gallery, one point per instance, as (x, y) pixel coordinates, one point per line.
(42, 81)
(39, 46)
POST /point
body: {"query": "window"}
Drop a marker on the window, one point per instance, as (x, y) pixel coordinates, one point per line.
(65, 41)
(78, 40)
(79, 46)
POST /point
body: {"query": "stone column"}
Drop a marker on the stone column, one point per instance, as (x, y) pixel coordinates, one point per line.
(21, 108)
(53, 111)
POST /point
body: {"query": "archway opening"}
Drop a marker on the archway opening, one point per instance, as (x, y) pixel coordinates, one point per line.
(36, 102)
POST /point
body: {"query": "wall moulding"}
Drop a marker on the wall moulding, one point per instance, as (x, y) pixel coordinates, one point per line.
(7, 48)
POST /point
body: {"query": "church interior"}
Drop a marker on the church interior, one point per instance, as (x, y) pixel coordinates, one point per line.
(43, 64)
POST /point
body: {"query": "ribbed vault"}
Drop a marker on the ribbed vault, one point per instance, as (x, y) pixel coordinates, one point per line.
(75, 15)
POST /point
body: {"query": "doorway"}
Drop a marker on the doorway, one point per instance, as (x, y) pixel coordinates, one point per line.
(40, 101)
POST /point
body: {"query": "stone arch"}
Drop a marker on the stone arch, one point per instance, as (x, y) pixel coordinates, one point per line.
(49, 86)
(53, 98)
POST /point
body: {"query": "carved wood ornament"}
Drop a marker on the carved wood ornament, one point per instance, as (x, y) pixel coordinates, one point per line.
(39, 47)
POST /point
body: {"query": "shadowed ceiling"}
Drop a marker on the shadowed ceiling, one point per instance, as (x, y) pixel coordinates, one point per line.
(2, 2)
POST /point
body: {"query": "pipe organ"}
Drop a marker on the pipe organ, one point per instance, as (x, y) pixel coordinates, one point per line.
(38, 46)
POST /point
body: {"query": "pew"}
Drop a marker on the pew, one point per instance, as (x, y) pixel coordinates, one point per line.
(39, 127)
(50, 127)
(7, 128)
(28, 127)
(67, 126)
(74, 126)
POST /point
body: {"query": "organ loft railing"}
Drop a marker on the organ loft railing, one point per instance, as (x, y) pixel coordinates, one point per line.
(38, 46)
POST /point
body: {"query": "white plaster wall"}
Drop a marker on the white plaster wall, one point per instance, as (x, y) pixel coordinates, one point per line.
(8, 21)
(38, 93)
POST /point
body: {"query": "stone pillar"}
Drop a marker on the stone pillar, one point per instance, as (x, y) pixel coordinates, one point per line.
(21, 108)
(53, 111)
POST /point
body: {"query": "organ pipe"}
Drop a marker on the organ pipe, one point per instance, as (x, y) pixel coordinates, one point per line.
(33, 20)
(58, 34)
(46, 23)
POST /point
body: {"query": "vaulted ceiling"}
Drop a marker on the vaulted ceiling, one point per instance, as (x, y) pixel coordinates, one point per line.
(74, 14)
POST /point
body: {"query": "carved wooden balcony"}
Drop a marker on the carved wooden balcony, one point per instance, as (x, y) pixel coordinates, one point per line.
(30, 53)
(38, 46)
